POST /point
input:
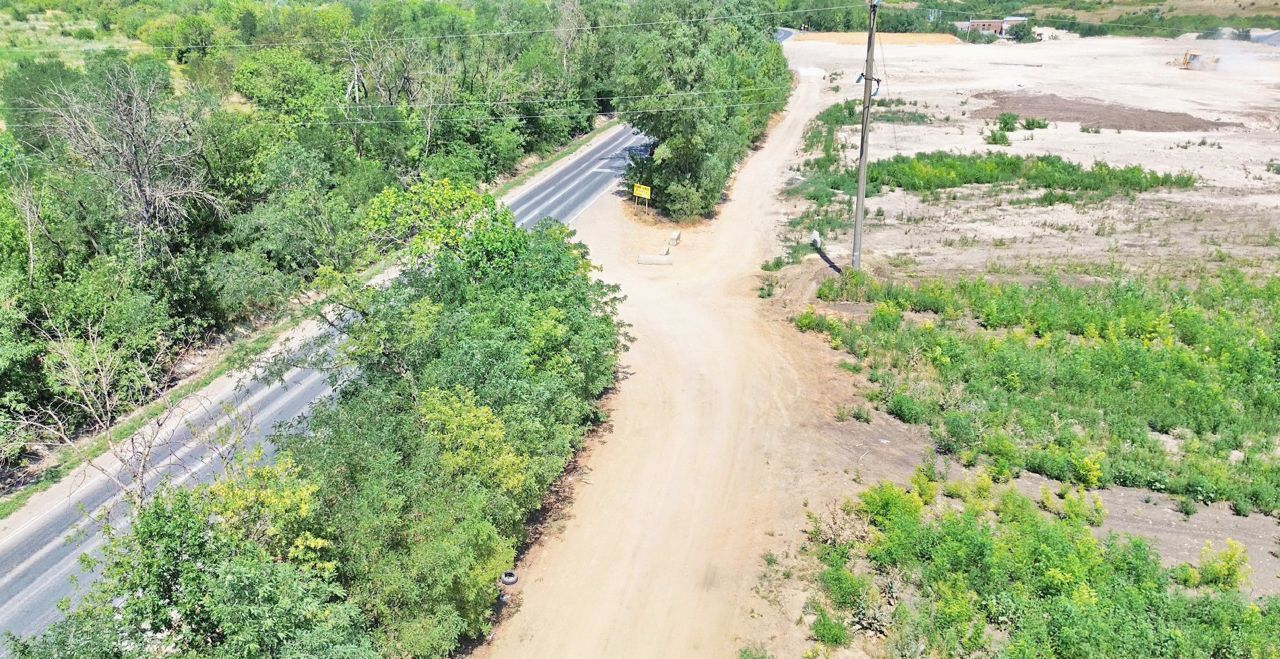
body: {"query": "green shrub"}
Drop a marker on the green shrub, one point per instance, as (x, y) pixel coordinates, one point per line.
(1007, 121)
(1034, 124)
(848, 592)
(828, 630)
(908, 409)
(1226, 569)
(1092, 130)
(997, 138)
(1080, 376)
(1020, 583)
(1185, 575)
(885, 504)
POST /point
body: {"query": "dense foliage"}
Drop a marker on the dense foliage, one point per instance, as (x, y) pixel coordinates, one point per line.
(227, 571)
(995, 575)
(1173, 388)
(699, 147)
(161, 196)
(391, 513)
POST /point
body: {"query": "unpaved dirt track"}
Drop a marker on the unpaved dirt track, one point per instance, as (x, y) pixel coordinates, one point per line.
(659, 551)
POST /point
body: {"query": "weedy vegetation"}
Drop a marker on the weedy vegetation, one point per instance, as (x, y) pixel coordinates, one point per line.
(1060, 180)
(983, 572)
(1169, 387)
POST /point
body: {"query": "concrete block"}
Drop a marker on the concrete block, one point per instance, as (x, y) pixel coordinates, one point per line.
(655, 259)
(674, 239)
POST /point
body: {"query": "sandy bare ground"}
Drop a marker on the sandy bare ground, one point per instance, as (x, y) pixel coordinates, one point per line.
(1170, 120)
(714, 440)
(722, 431)
(887, 38)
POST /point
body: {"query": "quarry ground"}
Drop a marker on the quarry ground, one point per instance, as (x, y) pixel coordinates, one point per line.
(721, 431)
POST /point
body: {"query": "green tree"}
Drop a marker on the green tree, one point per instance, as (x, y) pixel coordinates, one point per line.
(663, 80)
(1022, 32)
(174, 583)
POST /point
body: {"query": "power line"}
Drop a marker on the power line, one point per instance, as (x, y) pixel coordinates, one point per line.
(361, 122)
(465, 35)
(372, 106)
(605, 26)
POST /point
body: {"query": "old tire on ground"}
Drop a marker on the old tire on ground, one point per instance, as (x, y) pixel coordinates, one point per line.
(508, 578)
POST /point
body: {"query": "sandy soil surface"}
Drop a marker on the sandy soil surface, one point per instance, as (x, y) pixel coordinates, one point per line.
(1092, 112)
(722, 431)
(1096, 81)
(718, 430)
(888, 38)
(1223, 126)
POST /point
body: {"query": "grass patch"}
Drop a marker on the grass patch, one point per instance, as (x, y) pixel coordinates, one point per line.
(997, 138)
(1061, 180)
(1169, 387)
(767, 286)
(997, 577)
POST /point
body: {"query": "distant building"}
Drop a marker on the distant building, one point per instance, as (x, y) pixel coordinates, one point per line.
(1010, 21)
(995, 26)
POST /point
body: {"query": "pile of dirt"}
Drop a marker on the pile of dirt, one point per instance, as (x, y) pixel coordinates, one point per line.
(1092, 112)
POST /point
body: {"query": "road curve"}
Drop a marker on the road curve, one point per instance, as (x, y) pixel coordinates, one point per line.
(40, 544)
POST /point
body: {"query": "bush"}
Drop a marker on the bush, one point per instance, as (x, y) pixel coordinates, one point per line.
(1226, 569)
(997, 138)
(697, 147)
(908, 409)
(1030, 123)
(1020, 583)
(848, 592)
(828, 630)
(1007, 121)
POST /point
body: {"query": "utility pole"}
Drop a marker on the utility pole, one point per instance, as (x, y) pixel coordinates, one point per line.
(860, 210)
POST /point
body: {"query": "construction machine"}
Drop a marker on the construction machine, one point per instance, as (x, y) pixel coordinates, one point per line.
(1194, 61)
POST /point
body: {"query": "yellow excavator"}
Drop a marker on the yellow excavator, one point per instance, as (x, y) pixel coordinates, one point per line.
(1194, 61)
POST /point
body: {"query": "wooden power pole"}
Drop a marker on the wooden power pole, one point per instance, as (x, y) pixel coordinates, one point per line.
(860, 210)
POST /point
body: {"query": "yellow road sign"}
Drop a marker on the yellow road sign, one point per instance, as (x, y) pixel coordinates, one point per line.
(641, 191)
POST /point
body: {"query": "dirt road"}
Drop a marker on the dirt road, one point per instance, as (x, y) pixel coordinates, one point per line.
(660, 546)
(722, 428)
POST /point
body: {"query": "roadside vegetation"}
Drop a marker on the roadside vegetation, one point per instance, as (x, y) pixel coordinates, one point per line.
(1060, 180)
(699, 147)
(982, 571)
(384, 522)
(1138, 20)
(1164, 386)
(188, 187)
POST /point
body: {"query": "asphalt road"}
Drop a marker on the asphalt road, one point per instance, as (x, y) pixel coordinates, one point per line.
(40, 546)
